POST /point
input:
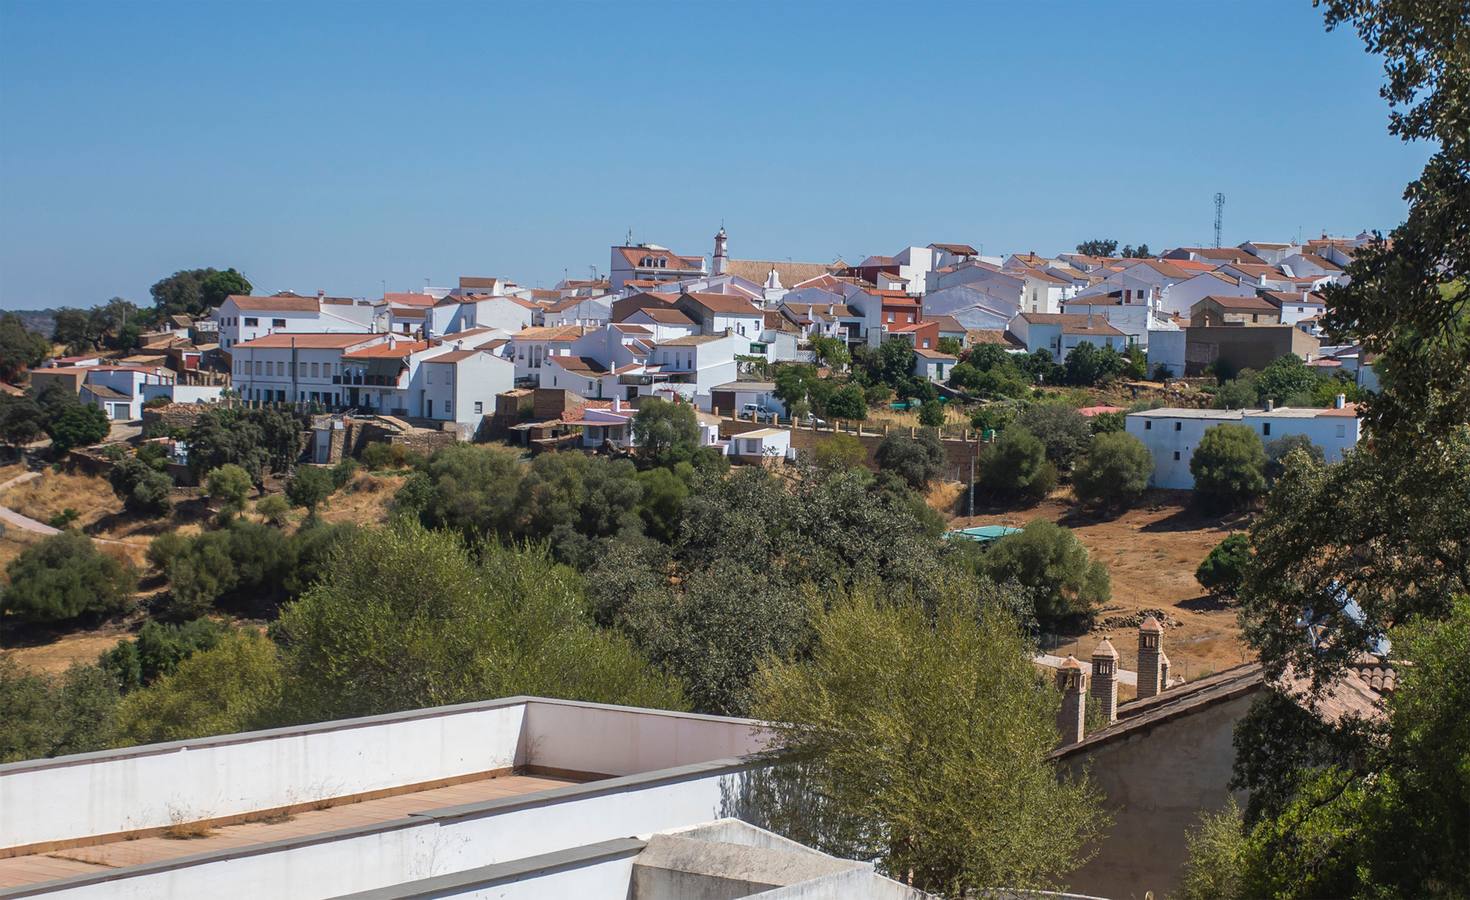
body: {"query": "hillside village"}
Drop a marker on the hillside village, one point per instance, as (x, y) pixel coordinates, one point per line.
(1089, 572)
(984, 387)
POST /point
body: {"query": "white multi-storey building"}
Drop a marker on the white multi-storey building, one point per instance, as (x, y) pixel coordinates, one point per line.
(1172, 435)
(242, 318)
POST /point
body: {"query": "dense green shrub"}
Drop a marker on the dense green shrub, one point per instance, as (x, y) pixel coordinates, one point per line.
(1115, 471)
(1229, 466)
(1223, 569)
(143, 488)
(65, 577)
(1063, 430)
(918, 460)
(1069, 586)
(310, 486)
(1016, 467)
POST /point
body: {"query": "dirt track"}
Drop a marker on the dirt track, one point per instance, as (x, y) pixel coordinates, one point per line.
(1151, 553)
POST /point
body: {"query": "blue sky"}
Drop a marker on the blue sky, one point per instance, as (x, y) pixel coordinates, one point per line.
(342, 145)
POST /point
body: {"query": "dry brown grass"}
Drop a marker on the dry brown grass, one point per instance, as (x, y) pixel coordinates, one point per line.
(1151, 553)
(54, 492)
(909, 418)
(13, 543)
(188, 831)
(365, 500)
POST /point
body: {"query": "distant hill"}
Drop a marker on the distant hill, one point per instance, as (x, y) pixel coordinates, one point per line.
(41, 321)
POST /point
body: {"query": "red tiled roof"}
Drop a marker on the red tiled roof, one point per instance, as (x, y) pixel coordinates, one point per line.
(276, 304)
(386, 350)
(730, 304)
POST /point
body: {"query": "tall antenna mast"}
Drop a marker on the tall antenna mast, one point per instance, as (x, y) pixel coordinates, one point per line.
(1219, 215)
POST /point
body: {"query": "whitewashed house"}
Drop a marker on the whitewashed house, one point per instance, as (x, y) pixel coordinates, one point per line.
(1179, 297)
(295, 368)
(243, 318)
(1058, 334)
(459, 385)
(1297, 306)
(1172, 435)
(531, 347)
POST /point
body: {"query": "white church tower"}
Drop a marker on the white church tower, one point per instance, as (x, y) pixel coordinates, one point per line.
(722, 259)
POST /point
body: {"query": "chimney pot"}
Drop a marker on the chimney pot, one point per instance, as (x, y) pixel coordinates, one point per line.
(1105, 679)
(1270, 404)
(1150, 658)
(1072, 718)
(1340, 401)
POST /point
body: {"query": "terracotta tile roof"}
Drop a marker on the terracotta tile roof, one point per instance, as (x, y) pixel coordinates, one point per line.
(662, 315)
(276, 304)
(408, 299)
(1281, 298)
(690, 340)
(582, 365)
(386, 350)
(625, 328)
(635, 256)
(454, 356)
(1249, 304)
(992, 336)
(553, 333)
(933, 354)
(306, 341)
(472, 282)
(957, 249)
(566, 303)
(790, 273)
(729, 304)
(1073, 324)
(1318, 261)
(946, 323)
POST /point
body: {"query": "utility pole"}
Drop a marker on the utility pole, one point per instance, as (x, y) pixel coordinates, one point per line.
(1219, 215)
(975, 453)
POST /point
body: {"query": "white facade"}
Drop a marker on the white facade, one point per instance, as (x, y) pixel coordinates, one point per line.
(460, 385)
(1185, 294)
(969, 305)
(1172, 435)
(287, 368)
(243, 319)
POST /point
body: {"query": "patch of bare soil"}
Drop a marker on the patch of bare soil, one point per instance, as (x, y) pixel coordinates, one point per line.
(1151, 553)
(365, 500)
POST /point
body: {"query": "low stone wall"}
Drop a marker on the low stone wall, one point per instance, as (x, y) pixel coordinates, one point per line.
(174, 415)
(959, 450)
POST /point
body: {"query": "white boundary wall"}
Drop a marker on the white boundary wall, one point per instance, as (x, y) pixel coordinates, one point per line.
(423, 845)
(668, 770)
(158, 785)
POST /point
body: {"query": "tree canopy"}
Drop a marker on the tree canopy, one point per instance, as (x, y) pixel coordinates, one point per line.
(195, 292)
(929, 725)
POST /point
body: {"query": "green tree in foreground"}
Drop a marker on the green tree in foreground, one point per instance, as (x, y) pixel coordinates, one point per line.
(367, 638)
(20, 348)
(1229, 466)
(1044, 556)
(921, 742)
(1279, 449)
(54, 715)
(1115, 471)
(65, 577)
(1391, 820)
(1222, 571)
(233, 686)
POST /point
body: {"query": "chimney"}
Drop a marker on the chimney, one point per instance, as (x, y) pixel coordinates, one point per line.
(617, 406)
(1150, 657)
(1072, 719)
(320, 293)
(1105, 679)
(1340, 401)
(1270, 404)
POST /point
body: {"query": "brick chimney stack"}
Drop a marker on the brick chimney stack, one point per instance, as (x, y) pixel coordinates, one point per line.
(1105, 679)
(1072, 719)
(1150, 658)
